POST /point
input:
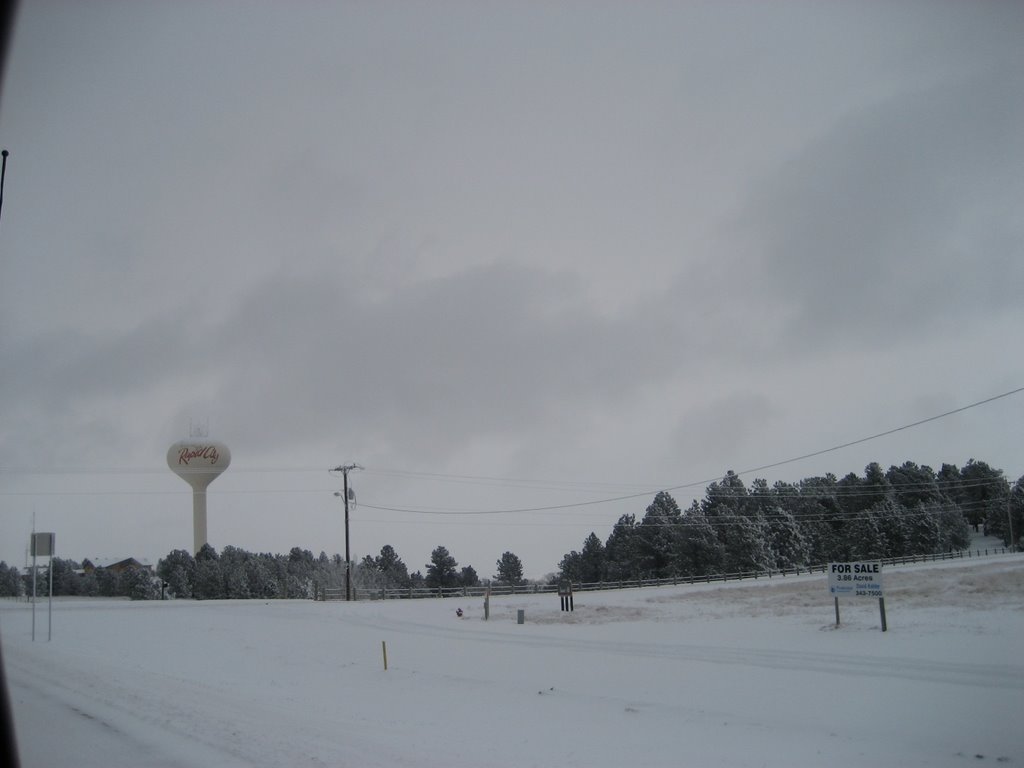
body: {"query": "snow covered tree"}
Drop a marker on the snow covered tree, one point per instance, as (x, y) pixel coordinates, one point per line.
(570, 568)
(592, 565)
(209, 582)
(260, 576)
(234, 571)
(621, 549)
(10, 583)
(948, 480)
(865, 535)
(700, 552)
(206, 552)
(178, 569)
(510, 570)
(726, 497)
(913, 485)
(656, 540)
(788, 543)
(139, 584)
(747, 543)
(1016, 511)
(392, 568)
(108, 583)
(983, 493)
(441, 570)
(300, 568)
(954, 531)
(468, 577)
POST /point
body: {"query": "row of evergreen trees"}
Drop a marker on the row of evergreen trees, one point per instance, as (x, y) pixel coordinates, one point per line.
(69, 578)
(236, 573)
(907, 510)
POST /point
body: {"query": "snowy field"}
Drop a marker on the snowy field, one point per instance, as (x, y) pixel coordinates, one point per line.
(749, 674)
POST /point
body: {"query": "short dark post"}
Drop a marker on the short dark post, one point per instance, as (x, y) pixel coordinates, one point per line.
(837, 611)
(881, 610)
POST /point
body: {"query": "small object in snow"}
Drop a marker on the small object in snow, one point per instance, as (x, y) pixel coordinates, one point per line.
(458, 612)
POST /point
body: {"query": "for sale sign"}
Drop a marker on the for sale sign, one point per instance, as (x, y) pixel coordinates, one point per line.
(855, 579)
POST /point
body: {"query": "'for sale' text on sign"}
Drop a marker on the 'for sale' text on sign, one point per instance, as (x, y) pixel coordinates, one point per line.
(855, 579)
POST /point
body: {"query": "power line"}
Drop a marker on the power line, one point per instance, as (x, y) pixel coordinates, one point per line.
(697, 483)
(535, 484)
(883, 434)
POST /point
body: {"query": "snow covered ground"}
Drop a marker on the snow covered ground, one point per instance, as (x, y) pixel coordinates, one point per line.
(748, 674)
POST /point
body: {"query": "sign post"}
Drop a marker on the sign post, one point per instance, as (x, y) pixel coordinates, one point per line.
(42, 544)
(859, 579)
(565, 595)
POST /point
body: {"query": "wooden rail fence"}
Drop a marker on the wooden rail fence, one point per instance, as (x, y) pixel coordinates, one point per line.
(414, 593)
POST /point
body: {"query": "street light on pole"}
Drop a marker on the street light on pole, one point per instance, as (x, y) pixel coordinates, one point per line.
(345, 469)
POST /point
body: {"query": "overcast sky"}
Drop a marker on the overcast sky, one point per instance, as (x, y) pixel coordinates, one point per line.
(503, 255)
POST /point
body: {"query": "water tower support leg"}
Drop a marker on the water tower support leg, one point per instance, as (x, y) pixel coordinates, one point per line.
(199, 519)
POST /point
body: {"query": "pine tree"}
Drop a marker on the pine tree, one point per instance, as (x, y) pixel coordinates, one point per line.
(747, 543)
(468, 577)
(700, 551)
(570, 568)
(1016, 514)
(510, 570)
(592, 561)
(209, 583)
(441, 570)
(178, 569)
(139, 584)
(788, 544)
(392, 568)
(923, 529)
(10, 583)
(865, 535)
(621, 549)
(656, 544)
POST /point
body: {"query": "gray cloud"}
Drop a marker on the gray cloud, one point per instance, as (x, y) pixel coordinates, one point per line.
(641, 243)
(487, 351)
(894, 222)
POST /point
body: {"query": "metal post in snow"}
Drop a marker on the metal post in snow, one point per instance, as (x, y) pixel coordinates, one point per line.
(49, 617)
(33, 587)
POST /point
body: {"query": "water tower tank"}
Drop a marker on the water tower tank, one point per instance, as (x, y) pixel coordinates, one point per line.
(198, 463)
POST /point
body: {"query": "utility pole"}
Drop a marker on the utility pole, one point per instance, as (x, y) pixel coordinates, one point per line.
(345, 469)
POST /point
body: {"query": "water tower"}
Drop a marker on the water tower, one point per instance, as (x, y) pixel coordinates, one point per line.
(198, 462)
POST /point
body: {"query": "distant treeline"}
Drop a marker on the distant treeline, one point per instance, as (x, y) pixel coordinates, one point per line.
(907, 510)
(235, 573)
(73, 578)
